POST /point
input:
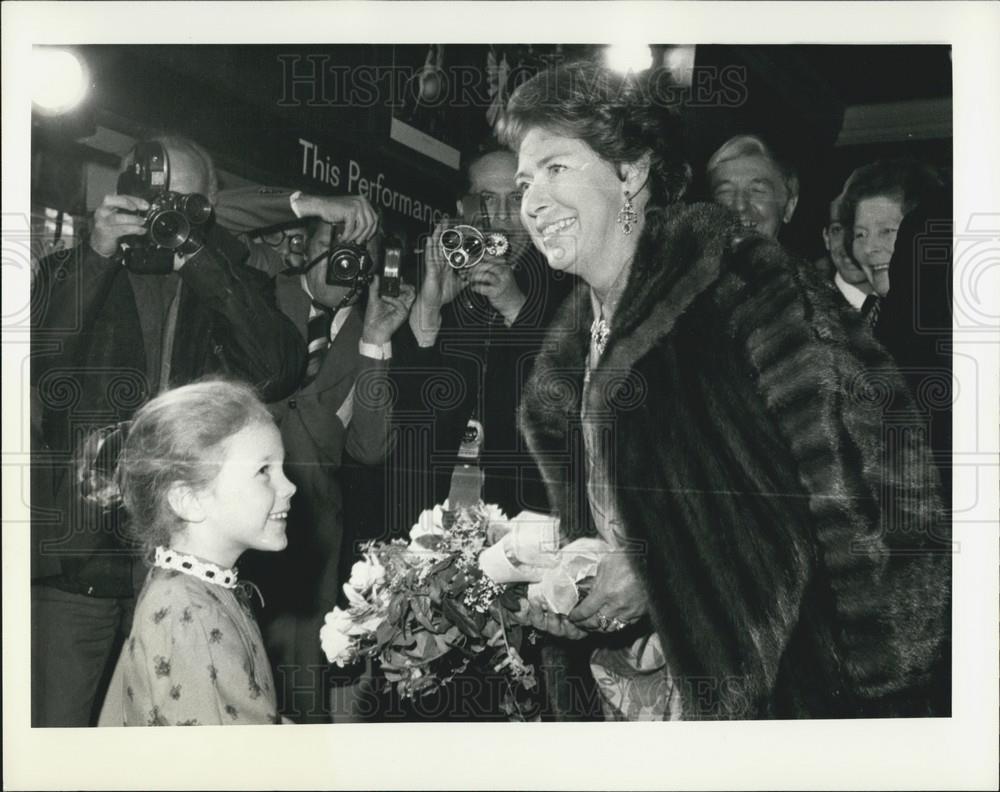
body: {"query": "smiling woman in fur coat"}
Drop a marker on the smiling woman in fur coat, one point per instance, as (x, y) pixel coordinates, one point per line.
(777, 546)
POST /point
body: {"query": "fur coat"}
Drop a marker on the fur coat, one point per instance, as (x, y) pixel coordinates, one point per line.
(788, 529)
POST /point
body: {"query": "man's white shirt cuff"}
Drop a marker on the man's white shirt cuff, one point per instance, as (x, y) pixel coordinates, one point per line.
(376, 351)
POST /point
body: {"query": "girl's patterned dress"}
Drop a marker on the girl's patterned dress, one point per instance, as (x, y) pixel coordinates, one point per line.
(194, 657)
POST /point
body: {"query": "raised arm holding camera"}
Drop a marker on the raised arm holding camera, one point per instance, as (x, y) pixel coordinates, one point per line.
(247, 209)
(159, 296)
(342, 404)
(476, 324)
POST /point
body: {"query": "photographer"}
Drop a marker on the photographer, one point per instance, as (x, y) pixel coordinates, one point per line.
(461, 365)
(105, 339)
(342, 403)
(470, 340)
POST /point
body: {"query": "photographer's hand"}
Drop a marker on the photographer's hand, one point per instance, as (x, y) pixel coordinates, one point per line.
(385, 315)
(495, 281)
(439, 287)
(114, 219)
(353, 212)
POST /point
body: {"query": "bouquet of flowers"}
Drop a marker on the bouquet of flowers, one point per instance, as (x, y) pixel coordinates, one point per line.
(426, 611)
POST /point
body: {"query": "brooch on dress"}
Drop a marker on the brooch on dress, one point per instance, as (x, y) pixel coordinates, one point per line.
(599, 332)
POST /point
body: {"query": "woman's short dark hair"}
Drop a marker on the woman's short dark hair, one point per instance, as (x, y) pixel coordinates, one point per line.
(621, 117)
(903, 179)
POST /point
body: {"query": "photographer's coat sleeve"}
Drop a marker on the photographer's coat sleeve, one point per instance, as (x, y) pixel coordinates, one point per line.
(242, 210)
(252, 339)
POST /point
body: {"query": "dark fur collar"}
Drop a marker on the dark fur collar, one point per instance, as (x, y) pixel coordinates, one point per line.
(680, 255)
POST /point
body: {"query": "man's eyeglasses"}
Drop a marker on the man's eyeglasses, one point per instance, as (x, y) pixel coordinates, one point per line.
(275, 239)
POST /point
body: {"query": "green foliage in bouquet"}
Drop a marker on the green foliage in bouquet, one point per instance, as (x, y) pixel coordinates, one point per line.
(426, 611)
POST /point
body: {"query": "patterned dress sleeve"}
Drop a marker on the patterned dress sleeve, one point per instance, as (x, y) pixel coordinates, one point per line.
(191, 666)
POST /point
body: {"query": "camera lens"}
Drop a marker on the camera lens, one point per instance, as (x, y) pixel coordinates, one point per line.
(344, 266)
(169, 229)
(451, 239)
(297, 243)
(196, 208)
(474, 247)
(458, 258)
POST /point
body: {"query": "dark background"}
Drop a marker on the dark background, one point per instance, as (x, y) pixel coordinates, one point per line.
(238, 102)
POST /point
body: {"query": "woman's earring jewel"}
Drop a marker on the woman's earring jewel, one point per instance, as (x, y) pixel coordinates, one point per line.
(627, 217)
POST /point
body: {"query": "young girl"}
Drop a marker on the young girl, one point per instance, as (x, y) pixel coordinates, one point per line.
(200, 475)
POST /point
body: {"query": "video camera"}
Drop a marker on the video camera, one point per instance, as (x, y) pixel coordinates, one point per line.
(464, 246)
(175, 223)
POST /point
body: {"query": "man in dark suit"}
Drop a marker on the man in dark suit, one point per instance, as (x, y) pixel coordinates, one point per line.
(342, 403)
(105, 339)
(838, 266)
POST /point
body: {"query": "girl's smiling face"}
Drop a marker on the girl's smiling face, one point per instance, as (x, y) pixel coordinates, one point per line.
(876, 223)
(246, 505)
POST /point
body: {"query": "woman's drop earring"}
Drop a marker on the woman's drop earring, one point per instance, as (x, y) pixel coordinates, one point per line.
(627, 217)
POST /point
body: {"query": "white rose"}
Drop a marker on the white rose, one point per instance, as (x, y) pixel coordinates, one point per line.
(430, 523)
(337, 645)
(354, 598)
(368, 625)
(366, 573)
(362, 618)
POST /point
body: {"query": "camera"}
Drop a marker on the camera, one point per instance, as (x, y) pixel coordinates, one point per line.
(353, 266)
(175, 223)
(349, 265)
(465, 246)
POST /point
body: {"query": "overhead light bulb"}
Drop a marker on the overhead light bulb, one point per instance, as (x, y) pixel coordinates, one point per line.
(679, 61)
(628, 57)
(59, 80)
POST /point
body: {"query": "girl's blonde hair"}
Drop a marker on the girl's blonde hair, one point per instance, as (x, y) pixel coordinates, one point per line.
(178, 437)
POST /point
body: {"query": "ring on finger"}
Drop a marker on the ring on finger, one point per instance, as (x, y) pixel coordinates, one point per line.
(617, 624)
(603, 621)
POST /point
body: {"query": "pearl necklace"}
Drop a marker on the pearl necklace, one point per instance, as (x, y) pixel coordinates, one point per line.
(167, 558)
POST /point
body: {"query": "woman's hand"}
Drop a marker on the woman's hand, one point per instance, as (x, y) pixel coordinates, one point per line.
(534, 613)
(617, 594)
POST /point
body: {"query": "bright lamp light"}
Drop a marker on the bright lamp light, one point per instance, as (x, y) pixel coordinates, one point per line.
(59, 80)
(628, 57)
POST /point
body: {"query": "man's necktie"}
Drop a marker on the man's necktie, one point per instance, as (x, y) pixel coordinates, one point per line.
(318, 338)
(870, 309)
